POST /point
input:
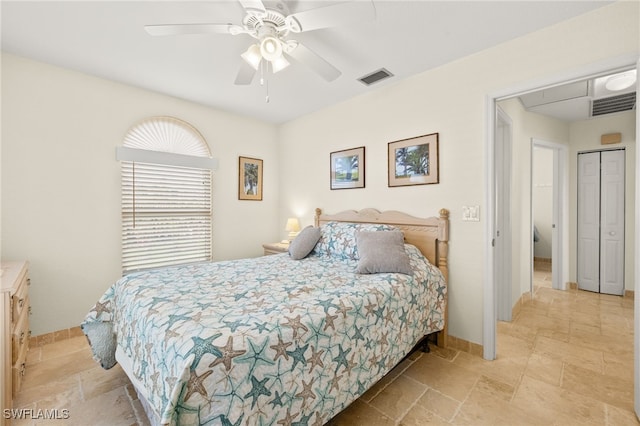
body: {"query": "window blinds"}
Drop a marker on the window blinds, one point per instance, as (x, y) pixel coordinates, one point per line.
(166, 215)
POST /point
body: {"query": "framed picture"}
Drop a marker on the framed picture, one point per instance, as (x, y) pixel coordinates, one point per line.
(414, 161)
(347, 168)
(250, 179)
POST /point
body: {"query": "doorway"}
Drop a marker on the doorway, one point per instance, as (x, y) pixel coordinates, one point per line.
(490, 291)
(542, 217)
(549, 211)
(491, 275)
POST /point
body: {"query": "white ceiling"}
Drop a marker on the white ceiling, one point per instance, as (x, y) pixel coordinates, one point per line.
(107, 39)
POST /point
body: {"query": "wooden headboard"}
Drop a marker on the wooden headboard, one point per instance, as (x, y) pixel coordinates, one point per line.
(430, 235)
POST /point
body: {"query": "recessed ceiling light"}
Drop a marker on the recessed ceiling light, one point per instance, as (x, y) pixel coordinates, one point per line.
(621, 81)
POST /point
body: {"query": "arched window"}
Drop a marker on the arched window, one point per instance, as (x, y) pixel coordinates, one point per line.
(166, 195)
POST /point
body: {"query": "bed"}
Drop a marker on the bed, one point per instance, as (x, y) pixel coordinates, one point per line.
(275, 340)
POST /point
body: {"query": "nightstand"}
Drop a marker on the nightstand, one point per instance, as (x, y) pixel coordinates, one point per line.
(275, 248)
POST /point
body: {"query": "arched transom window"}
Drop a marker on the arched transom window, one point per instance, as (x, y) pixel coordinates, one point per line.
(166, 195)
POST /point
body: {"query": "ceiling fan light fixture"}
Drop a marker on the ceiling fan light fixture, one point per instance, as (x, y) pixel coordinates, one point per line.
(270, 48)
(252, 56)
(279, 64)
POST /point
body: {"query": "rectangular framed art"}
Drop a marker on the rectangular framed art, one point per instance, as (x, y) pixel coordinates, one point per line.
(414, 161)
(250, 179)
(347, 168)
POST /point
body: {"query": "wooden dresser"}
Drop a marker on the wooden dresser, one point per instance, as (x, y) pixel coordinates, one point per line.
(14, 286)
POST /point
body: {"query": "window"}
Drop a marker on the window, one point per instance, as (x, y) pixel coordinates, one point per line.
(166, 195)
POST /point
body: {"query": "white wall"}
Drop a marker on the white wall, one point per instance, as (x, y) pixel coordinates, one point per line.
(585, 136)
(449, 100)
(61, 182)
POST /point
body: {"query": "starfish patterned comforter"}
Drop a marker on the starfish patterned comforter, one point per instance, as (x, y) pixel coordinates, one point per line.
(270, 340)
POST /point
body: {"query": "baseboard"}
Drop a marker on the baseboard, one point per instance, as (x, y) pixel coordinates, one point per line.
(464, 346)
(55, 336)
(627, 293)
(524, 298)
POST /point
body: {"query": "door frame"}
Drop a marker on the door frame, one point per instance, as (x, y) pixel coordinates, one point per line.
(503, 239)
(489, 287)
(560, 215)
(636, 287)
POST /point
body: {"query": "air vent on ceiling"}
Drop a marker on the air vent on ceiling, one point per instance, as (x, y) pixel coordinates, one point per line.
(613, 104)
(375, 76)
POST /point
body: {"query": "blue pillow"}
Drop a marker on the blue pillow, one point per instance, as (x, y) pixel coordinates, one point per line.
(339, 238)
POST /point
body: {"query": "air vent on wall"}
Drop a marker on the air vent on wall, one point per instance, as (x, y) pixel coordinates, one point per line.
(613, 104)
(375, 76)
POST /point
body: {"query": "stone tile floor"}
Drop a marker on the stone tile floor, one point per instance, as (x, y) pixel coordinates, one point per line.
(565, 359)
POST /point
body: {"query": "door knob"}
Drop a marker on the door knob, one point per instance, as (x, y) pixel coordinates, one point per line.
(612, 233)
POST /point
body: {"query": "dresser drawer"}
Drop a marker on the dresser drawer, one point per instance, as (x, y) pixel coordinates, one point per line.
(18, 370)
(20, 335)
(19, 299)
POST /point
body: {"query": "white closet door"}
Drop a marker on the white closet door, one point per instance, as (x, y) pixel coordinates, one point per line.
(589, 221)
(612, 223)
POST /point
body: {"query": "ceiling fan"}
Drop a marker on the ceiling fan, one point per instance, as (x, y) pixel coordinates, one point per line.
(271, 25)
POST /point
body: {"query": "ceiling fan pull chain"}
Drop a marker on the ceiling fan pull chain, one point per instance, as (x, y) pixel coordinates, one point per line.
(267, 97)
(263, 81)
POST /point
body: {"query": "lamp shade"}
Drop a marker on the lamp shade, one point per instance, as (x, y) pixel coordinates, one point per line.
(279, 64)
(270, 48)
(293, 225)
(252, 56)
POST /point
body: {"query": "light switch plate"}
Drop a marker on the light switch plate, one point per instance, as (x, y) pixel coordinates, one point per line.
(471, 213)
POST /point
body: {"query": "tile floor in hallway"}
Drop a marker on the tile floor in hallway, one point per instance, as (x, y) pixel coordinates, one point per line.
(565, 359)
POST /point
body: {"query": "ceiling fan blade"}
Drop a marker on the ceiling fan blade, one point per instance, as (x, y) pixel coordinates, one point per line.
(181, 29)
(331, 16)
(317, 63)
(245, 74)
(253, 6)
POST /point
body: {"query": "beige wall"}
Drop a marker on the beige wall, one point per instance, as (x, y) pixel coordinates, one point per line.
(61, 181)
(449, 100)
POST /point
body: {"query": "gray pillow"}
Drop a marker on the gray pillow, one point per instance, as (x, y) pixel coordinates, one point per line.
(382, 251)
(302, 245)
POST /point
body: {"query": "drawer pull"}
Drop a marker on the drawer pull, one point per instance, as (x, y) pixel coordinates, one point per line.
(21, 302)
(30, 310)
(21, 338)
(28, 281)
(23, 368)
